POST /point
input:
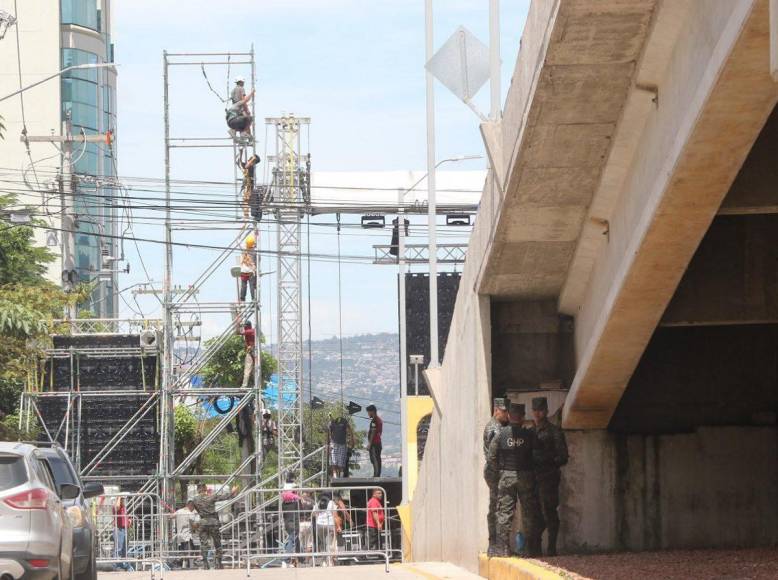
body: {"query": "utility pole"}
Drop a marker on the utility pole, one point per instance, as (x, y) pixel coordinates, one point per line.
(167, 426)
(431, 198)
(403, 342)
(68, 192)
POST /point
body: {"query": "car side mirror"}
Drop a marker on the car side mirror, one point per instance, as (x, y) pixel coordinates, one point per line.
(93, 489)
(69, 491)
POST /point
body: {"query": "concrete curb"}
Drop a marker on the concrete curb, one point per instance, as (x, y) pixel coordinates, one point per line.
(437, 571)
(513, 569)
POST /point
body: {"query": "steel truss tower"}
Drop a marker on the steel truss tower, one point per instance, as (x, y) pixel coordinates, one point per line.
(290, 189)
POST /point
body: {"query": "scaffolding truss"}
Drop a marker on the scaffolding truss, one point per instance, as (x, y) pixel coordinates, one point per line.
(290, 187)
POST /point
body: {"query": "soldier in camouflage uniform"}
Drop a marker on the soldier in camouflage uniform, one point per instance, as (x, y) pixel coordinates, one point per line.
(208, 527)
(498, 421)
(550, 455)
(511, 453)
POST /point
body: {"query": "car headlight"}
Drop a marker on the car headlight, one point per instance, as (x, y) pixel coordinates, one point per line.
(76, 517)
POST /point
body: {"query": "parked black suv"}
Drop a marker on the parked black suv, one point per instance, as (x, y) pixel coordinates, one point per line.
(84, 531)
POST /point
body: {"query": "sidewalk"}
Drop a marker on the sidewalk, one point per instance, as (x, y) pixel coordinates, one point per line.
(414, 571)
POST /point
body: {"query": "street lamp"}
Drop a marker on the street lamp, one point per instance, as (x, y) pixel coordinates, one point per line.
(60, 73)
(438, 164)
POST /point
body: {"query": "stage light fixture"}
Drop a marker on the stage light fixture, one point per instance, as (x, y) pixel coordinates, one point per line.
(458, 219)
(373, 221)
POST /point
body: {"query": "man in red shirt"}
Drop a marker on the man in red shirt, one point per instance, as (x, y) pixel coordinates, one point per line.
(375, 520)
(121, 525)
(249, 337)
(374, 439)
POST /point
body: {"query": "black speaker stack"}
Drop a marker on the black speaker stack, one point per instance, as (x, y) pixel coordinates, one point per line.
(114, 380)
(417, 318)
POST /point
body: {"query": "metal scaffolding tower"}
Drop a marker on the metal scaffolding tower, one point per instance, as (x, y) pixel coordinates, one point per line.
(290, 188)
(175, 379)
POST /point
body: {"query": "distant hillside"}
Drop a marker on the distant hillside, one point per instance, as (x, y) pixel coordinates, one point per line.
(371, 374)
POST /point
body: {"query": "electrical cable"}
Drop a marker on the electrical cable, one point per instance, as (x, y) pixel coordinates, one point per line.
(340, 315)
(317, 257)
(21, 93)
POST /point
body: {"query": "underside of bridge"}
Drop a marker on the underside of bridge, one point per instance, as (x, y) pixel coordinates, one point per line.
(625, 264)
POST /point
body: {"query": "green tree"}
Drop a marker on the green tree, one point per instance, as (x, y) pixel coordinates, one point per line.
(28, 305)
(21, 262)
(188, 436)
(225, 369)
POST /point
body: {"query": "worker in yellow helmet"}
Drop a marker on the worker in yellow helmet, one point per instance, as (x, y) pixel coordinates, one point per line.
(248, 269)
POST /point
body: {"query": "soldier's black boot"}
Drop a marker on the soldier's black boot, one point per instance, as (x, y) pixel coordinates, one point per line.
(500, 550)
(534, 547)
(551, 551)
(219, 565)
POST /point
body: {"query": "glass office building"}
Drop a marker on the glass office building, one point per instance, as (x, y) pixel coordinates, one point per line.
(88, 98)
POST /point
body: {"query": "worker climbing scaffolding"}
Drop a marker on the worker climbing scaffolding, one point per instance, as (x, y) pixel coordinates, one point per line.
(248, 186)
(239, 119)
(248, 270)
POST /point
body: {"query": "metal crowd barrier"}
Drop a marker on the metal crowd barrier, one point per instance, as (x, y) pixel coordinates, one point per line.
(313, 526)
(131, 540)
(296, 527)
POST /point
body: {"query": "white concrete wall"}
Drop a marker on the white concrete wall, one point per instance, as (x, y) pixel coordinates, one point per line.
(450, 472)
(38, 28)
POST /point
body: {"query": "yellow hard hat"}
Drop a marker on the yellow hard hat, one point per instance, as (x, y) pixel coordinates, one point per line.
(250, 241)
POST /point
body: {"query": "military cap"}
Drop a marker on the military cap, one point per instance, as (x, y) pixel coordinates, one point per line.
(517, 409)
(540, 404)
(501, 403)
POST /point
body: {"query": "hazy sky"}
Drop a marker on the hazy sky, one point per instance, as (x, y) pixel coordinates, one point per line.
(354, 66)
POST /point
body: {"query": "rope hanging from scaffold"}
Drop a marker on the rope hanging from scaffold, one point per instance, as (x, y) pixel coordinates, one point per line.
(208, 82)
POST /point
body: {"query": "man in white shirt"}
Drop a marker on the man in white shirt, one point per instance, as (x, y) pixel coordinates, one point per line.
(185, 517)
(325, 527)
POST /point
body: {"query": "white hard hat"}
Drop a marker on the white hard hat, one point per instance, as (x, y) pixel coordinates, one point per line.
(240, 79)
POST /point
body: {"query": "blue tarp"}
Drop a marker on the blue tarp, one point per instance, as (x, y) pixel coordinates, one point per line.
(197, 382)
(270, 394)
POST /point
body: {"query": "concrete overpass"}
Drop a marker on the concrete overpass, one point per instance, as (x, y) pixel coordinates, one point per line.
(625, 261)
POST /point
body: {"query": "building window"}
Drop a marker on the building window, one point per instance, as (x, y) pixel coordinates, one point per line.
(82, 13)
(80, 93)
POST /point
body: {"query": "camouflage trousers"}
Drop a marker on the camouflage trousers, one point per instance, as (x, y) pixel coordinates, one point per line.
(210, 532)
(548, 492)
(492, 478)
(521, 486)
